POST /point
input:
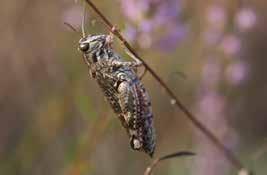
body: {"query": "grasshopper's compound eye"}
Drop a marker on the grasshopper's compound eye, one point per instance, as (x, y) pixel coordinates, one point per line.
(84, 47)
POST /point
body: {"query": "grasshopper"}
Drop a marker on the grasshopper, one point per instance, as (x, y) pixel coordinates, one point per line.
(122, 88)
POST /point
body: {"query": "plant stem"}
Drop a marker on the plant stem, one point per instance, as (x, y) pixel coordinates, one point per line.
(227, 153)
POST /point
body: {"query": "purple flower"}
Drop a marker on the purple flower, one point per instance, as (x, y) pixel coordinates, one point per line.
(211, 73)
(230, 45)
(216, 16)
(134, 10)
(130, 33)
(172, 38)
(245, 19)
(155, 20)
(236, 73)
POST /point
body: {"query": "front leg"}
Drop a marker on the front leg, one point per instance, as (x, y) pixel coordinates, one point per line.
(134, 65)
(118, 63)
(137, 60)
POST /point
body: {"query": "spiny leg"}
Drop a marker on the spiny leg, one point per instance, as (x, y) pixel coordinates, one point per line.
(132, 64)
(130, 54)
(137, 61)
(118, 63)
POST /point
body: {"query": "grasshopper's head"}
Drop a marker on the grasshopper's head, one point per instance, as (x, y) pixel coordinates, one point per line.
(92, 46)
(93, 43)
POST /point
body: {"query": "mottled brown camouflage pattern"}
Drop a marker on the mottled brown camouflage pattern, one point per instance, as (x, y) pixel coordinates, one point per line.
(122, 89)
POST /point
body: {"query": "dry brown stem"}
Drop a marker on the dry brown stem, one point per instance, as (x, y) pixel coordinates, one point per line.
(176, 102)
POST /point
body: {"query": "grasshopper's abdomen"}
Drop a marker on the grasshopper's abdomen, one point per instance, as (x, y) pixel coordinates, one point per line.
(130, 101)
(143, 120)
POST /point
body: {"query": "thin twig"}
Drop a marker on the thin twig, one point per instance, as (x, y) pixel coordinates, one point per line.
(227, 153)
(70, 26)
(151, 167)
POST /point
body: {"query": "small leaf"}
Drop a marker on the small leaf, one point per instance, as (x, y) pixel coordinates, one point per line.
(177, 154)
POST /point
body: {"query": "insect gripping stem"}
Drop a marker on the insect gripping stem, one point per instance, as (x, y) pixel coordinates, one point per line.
(175, 100)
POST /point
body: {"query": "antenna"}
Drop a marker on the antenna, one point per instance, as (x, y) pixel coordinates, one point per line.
(70, 26)
(83, 20)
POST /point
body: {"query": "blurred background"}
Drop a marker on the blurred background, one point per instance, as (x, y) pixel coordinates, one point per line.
(53, 117)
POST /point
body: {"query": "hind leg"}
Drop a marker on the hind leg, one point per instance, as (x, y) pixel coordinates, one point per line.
(126, 101)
